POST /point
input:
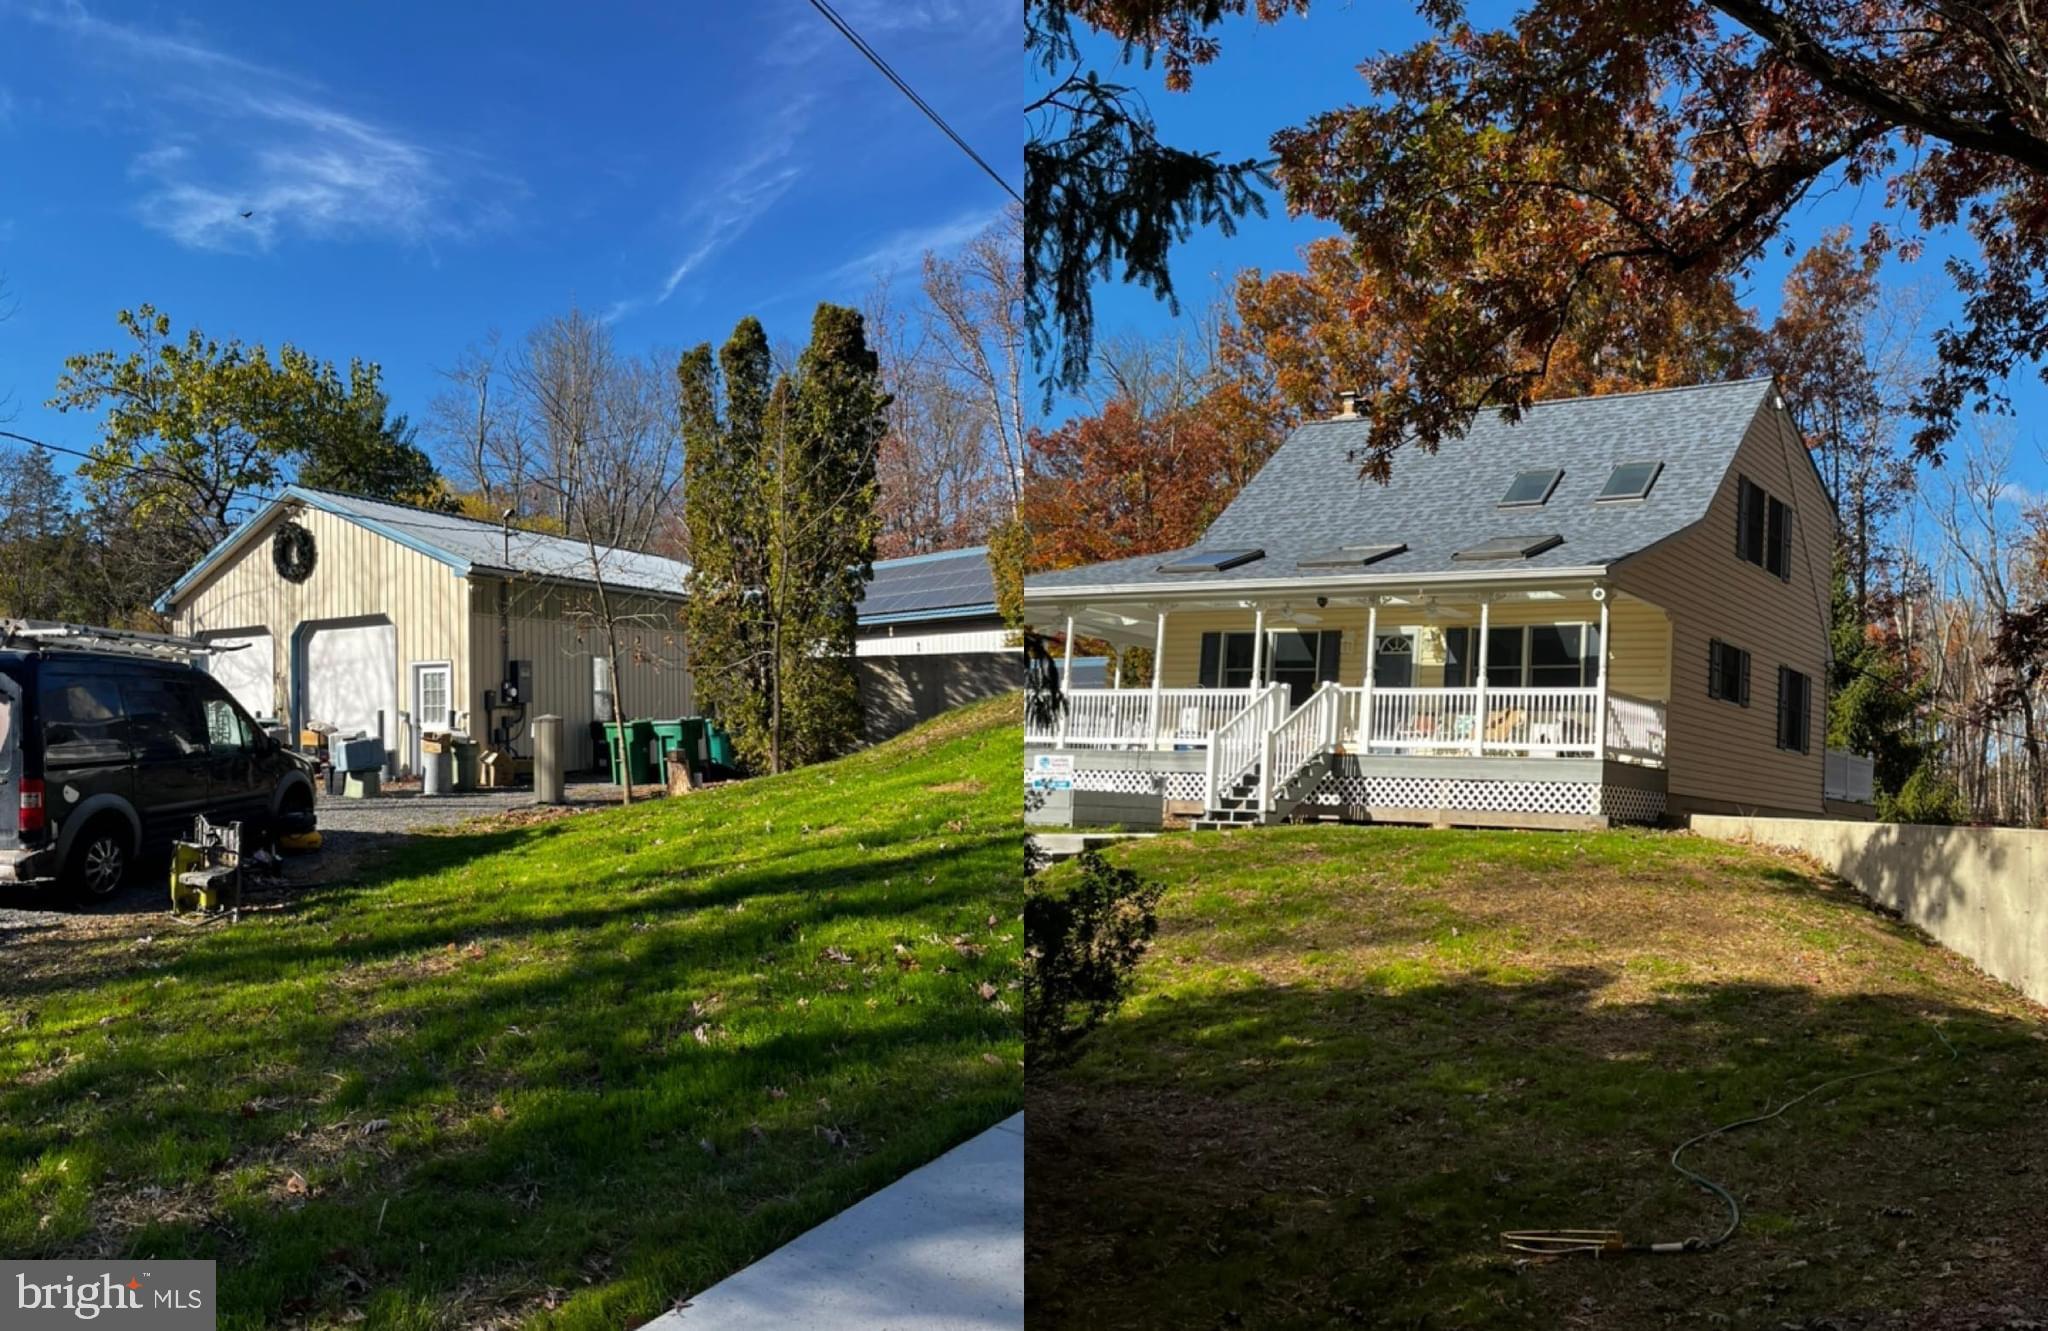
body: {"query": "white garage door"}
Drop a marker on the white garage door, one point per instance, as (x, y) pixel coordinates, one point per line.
(352, 679)
(247, 673)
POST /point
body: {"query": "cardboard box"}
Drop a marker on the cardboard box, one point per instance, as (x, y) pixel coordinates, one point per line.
(312, 739)
(434, 742)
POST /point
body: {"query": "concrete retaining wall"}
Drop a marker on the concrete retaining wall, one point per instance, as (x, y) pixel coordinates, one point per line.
(1982, 892)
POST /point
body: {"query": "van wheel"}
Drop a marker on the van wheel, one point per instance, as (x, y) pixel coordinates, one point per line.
(99, 861)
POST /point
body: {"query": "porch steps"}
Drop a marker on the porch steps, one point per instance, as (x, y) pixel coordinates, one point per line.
(1236, 808)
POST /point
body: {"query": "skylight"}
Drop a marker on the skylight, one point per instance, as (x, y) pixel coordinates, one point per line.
(1630, 480)
(1210, 561)
(1511, 547)
(1349, 556)
(1531, 488)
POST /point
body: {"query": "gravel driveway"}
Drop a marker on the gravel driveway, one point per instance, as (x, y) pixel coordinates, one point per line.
(350, 830)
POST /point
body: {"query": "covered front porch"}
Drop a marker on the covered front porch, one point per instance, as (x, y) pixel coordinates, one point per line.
(1533, 699)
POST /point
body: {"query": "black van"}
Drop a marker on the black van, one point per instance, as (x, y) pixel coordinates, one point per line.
(108, 757)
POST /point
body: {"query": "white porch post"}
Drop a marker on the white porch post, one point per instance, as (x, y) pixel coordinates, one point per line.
(1116, 668)
(1066, 684)
(1372, 653)
(1258, 652)
(1479, 721)
(1158, 673)
(1600, 698)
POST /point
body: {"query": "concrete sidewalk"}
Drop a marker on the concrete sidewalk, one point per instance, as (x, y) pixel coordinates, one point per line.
(941, 1249)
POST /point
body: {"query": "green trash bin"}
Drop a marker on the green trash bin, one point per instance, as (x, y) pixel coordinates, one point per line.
(639, 747)
(684, 735)
(720, 745)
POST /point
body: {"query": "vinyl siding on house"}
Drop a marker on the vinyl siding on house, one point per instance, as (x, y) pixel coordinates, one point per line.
(1640, 661)
(1722, 757)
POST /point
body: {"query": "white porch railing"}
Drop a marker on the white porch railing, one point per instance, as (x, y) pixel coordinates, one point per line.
(1125, 718)
(1535, 722)
(1306, 731)
(1239, 743)
(1414, 720)
(1635, 729)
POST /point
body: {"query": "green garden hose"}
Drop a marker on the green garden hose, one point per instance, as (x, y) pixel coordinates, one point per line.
(1597, 1242)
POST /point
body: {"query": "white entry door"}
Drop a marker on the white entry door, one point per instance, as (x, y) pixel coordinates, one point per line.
(433, 702)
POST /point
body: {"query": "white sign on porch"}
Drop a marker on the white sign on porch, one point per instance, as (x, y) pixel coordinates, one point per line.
(1050, 771)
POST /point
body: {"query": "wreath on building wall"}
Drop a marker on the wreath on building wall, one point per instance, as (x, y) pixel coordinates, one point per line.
(292, 551)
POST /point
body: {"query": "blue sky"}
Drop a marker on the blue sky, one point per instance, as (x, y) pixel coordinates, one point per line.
(1272, 76)
(421, 174)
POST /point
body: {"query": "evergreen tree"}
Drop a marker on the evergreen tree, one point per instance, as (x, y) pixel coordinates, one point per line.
(779, 495)
(724, 407)
(826, 523)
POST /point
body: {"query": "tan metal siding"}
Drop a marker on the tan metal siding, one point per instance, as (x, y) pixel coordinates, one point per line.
(356, 574)
(440, 615)
(1721, 755)
(555, 629)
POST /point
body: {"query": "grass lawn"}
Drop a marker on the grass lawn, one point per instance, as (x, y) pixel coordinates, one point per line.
(555, 1074)
(1356, 1055)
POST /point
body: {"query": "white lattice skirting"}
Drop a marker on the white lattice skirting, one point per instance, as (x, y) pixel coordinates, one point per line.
(1583, 798)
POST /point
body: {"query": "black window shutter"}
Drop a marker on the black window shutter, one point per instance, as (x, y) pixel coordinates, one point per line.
(1785, 702)
(1805, 713)
(1744, 658)
(1781, 540)
(1742, 489)
(1714, 685)
(1212, 660)
(1329, 655)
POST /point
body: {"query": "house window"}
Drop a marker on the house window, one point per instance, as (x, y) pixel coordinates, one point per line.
(1299, 660)
(1226, 661)
(1778, 557)
(1727, 673)
(1548, 656)
(1749, 520)
(1763, 529)
(1795, 709)
(1531, 488)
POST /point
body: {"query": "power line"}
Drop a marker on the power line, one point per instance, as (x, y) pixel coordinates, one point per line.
(860, 44)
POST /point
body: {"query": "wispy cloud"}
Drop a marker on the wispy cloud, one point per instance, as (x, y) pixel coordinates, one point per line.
(2022, 496)
(6, 107)
(906, 248)
(730, 202)
(231, 136)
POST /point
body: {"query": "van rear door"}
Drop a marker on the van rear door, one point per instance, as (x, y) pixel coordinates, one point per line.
(11, 722)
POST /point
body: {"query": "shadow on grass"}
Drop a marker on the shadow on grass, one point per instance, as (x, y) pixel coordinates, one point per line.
(1272, 1155)
(437, 1107)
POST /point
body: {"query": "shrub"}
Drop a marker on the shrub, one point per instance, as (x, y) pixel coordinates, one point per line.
(1081, 943)
(1929, 795)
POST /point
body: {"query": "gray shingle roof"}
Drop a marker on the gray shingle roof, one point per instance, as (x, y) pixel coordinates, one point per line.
(946, 584)
(1309, 498)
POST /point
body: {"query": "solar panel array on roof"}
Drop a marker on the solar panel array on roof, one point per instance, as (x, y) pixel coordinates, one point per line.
(1630, 480)
(1350, 556)
(1210, 561)
(952, 580)
(1510, 547)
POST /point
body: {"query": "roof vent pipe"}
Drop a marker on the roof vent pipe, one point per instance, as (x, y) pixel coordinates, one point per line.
(1347, 405)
